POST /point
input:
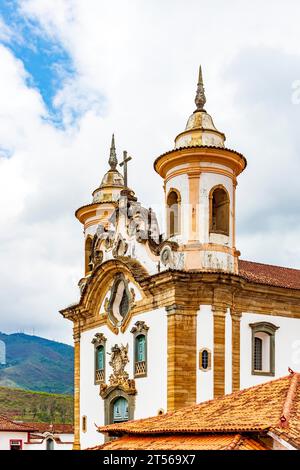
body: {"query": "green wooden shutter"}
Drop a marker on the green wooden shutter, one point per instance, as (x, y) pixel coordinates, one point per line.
(100, 358)
(140, 348)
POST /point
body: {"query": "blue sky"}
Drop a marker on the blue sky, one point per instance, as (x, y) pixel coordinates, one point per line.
(48, 64)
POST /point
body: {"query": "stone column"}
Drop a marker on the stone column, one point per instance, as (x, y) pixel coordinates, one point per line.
(235, 347)
(182, 356)
(76, 336)
(219, 314)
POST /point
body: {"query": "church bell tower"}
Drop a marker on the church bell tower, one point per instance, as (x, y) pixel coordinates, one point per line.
(200, 179)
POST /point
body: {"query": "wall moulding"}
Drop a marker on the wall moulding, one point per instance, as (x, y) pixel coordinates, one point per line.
(189, 290)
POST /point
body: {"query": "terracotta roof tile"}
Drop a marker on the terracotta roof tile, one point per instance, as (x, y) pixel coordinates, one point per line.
(9, 425)
(183, 442)
(53, 428)
(277, 276)
(255, 409)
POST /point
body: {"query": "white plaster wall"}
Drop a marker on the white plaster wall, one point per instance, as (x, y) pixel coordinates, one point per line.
(217, 260)
(287, 347)
(140, 252)
(5, 438)
(91, 230)
(181, 183)
(178, 167)
(216, 165)
(152, 390)
(67, 445)
(228, 353)
(205, 340)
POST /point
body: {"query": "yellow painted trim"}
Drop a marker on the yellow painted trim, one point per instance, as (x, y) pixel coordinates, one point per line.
(200, 169)
(221, 156)
(194, 181)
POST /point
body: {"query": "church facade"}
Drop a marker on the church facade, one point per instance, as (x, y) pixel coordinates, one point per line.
(169, 321)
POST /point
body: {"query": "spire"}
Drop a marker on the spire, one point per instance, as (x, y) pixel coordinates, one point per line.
(200, 99)
(112, 156)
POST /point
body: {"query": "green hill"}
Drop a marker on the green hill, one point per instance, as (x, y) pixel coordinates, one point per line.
(40, 407)
(37, 364)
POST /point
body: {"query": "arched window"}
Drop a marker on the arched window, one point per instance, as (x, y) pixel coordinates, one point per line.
(120, 410)
(263, 348)
(88, 255)
(49, 444)
(219, 211)
(140, 331)
(204, 359)
(173, 213)
(118, 405)
(99, 344)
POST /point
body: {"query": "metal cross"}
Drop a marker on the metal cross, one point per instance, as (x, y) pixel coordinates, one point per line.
(124, 163)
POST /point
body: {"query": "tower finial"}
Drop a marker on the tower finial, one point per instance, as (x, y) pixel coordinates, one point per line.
(200, 99)
(112, 155)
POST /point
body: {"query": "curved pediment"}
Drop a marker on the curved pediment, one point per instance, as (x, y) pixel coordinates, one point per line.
(111, 292)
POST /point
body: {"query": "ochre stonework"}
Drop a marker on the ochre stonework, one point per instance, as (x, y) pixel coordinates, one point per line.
(181, 356)
(219, 351)
(235, 347)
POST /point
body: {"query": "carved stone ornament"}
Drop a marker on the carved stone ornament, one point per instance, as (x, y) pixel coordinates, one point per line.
(98, 339)
(119, 360)
(120, 301)
(142, 223)
(139, 327)
(166, 257)
(120, 247)
(119, 378)
(82, 283)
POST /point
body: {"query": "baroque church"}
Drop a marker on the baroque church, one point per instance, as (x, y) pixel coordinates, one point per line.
(167, 321)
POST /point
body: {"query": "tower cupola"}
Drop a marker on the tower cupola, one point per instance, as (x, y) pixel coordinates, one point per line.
(200, 128)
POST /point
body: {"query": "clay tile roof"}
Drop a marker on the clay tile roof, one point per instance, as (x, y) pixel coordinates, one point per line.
(183, 442)
(274, 405)
(7, 424)
(53, 428)
(270, 275)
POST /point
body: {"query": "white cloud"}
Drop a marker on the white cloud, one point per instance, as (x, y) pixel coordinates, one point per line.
(135, 74)
(5, 31)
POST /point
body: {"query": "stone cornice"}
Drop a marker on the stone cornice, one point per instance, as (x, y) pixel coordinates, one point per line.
(185, 289)
(183, 155)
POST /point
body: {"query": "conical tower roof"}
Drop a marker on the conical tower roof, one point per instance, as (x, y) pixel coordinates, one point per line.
(200, 129)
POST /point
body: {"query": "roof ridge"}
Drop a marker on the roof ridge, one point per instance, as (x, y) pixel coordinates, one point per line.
(289, 401)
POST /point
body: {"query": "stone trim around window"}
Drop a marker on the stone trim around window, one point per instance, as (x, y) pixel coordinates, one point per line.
(140, 368)
(209, 360)
(270, 329)
(99, 375)
(109, 405)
